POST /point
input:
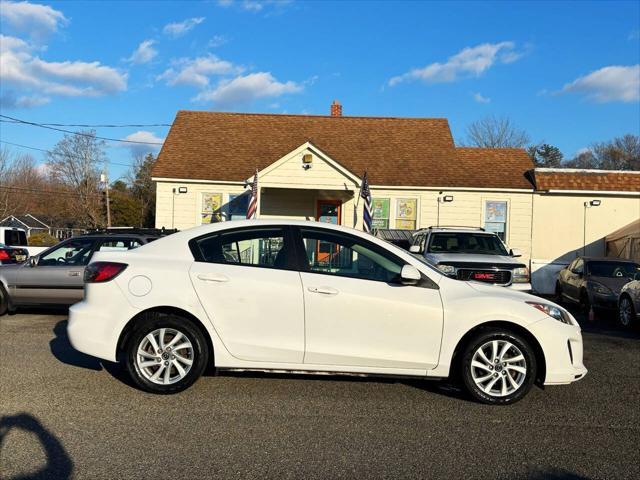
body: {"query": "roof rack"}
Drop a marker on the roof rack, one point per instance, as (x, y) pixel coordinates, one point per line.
(132, 231)
(456, 227)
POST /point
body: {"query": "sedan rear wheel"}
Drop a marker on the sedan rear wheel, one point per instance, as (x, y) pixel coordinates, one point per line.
(499, 367)
(626, 313)
(166, 354)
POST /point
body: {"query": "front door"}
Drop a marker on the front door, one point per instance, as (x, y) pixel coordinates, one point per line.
(247, 283)
(328, 211)
(357, 314)
(57, 278)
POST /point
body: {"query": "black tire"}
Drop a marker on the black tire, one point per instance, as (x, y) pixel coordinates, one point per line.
(198, 354)
(525, 382)
(4, 302)
(626, 312)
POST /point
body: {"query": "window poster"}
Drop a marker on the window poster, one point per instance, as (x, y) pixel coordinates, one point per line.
(211, 205)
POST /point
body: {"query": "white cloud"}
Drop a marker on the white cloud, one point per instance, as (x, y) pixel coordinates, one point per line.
(9, 99)
(144, 53)
(178, 29)
(21, 69)
(143, 136)
(253, 5)
(469, 62)
(615, 83)
(197, 71)
(34, 19)
(480, 99)
(217, 41)
(245, 89)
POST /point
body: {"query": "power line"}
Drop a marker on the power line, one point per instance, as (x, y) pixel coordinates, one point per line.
(54, 153)
(38, 191)
(96, 125)
(82, 134)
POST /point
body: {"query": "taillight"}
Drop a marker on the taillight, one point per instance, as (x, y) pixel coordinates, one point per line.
(99, 272)
(4, 255)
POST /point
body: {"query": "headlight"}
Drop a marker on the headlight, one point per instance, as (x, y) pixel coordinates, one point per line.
(598, 288)
(447, 269)
(553, 311)
(521, 275)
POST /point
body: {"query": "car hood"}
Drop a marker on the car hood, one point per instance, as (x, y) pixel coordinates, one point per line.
(465, 258)
(615, 283)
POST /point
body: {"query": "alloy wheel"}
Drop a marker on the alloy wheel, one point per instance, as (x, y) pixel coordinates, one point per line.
(165, 356)
(498, 368)
(626, 312)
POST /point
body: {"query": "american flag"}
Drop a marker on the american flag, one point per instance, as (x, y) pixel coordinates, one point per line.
(252, 211)
(365, 193)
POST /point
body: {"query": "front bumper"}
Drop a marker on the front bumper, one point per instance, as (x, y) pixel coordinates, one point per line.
(563, 350)
(520, 287)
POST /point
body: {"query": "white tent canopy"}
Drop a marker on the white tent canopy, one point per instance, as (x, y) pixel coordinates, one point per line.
(625, 242)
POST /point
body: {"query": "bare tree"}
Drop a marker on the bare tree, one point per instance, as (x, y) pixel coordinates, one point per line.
(75, 162)
(495, 132)
(621, 153)
(21, 184)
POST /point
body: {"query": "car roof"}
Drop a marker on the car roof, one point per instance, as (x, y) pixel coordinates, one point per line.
(479, 231)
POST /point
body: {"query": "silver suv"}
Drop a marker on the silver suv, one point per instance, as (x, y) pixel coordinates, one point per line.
(471, 254)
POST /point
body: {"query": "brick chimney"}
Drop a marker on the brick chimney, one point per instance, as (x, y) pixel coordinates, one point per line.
(336, 109)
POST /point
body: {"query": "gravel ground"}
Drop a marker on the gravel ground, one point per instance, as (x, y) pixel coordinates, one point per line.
(67, 415)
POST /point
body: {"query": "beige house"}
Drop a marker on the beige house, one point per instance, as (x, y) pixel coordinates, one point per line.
(311, 167)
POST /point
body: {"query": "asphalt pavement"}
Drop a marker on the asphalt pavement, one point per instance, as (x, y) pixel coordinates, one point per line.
(67, 415)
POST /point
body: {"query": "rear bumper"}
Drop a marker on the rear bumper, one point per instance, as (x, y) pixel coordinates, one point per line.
(563, 351)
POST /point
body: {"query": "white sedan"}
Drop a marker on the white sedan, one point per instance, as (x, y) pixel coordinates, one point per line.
(311, 297)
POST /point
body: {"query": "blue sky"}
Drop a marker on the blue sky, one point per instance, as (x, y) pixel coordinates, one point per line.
(567, 73)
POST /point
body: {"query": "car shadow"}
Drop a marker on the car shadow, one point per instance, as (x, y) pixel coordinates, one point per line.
(61, 349)
(436, 386)
(58, 464)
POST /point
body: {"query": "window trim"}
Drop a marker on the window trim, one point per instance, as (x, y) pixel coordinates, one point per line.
(288, 244)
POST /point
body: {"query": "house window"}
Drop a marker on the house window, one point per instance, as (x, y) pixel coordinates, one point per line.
(211, 208)
(495, 218)
(238, 205)
(380, 212)
(406, 213)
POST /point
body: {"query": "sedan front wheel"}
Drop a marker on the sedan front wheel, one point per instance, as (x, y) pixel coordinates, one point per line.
(498, 367)
(626, 313)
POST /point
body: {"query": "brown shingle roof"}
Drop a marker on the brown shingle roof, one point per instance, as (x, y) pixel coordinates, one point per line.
(594, 180)
(394, 151)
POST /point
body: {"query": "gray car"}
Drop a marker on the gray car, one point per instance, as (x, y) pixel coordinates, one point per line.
(629, 303)
(56, 276)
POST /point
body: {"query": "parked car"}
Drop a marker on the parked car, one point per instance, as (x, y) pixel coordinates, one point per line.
(472, 254)
(595, 283)
(629, 303)
(55, 277)
(11, 255)
(313, 297)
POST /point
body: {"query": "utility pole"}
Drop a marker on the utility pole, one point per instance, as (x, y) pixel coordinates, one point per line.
(105, 180)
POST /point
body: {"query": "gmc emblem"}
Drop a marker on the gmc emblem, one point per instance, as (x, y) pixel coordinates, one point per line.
(484, 276)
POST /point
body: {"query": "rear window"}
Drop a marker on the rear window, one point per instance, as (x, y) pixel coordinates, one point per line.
(16, 238)
(457, 242)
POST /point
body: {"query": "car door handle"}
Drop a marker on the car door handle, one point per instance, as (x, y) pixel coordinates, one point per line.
(323, 290)
(213, 277)
(73, 273)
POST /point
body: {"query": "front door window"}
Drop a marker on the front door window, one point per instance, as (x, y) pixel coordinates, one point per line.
(73, 252)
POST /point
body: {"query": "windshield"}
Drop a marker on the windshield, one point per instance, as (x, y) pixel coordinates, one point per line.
(613, 269)
(463, 242)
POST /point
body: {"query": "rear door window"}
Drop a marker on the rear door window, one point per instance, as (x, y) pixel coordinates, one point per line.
(119, 244)
(15, 238)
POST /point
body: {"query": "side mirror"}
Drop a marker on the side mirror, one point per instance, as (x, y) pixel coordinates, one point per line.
(33, 261)
(409, 275)
(415, 249)
(514, 252)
